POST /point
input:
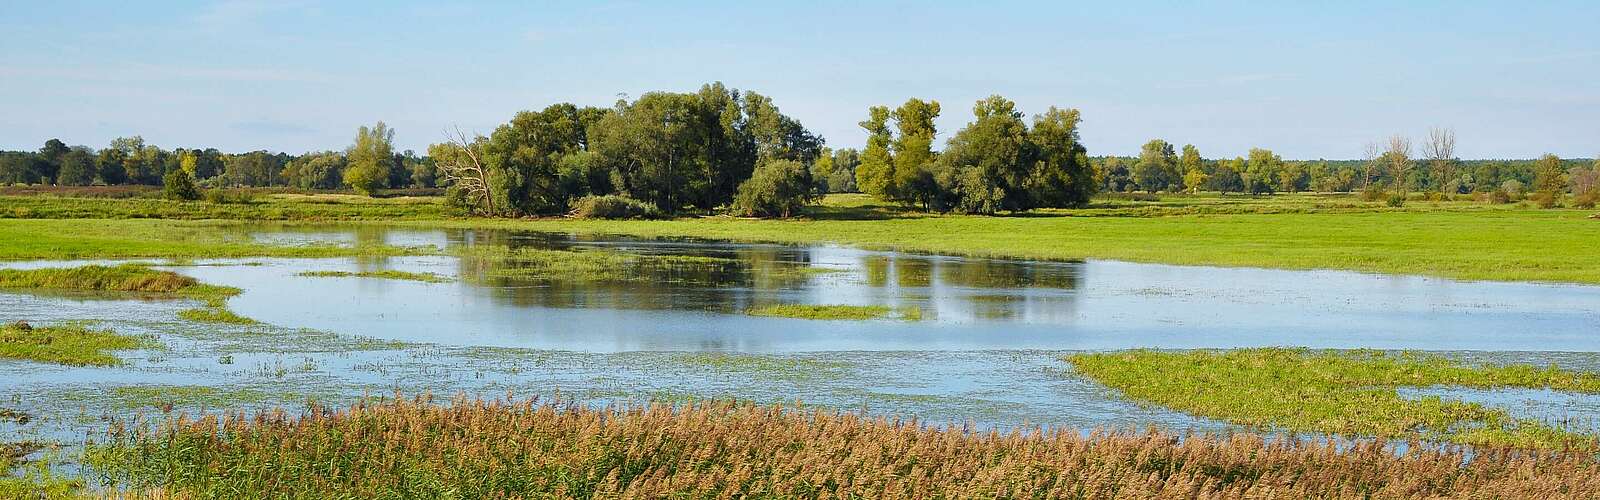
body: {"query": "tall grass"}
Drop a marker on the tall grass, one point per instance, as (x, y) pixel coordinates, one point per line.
(495, 449)
(1342, 392)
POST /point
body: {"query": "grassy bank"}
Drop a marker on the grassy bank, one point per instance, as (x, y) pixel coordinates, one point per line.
(273, 207)
(122, 278)
(834, 312)
(148, 238)
(475, 449)
(73, 345)
(1339, 392)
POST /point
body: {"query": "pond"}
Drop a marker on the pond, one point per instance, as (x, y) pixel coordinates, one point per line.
(986, 350)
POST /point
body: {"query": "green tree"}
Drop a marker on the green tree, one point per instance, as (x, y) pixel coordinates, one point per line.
(875, 175)
(370, 158)
(1226, 179)
(1548, 182)
(987, 163)
(913, 150)
(109, 166)
(1061, 175)
(77, 168)
(1262, 171)
(778, 188)
(1157, 166)
(842, 175)
(179, 185)
(51, 154)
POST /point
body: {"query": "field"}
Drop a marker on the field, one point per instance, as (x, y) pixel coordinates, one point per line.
(1331, 423)
(1456, 239)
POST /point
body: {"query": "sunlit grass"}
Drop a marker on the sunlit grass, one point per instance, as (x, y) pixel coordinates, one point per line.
(491, 449)
(1340, 392)
(73, 345)
(831, 312)
(215, 315)
(384, 274)
(35, 480)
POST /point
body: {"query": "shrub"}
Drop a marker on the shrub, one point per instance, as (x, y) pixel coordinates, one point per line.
(1546, 199)
(777, 188)
(1396, 200)
(1586, 200)
(230, 196)
(1498, 197)
(612, 207)
(1373, 193)
(179, 185)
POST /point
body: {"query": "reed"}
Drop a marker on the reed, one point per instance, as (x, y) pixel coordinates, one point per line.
(413, 448)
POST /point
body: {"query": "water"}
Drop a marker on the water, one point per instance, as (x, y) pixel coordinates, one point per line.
(987, 351)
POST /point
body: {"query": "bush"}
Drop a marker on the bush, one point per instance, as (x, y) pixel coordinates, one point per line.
(179, 185)
(1498, 197)
(612, 207)
(1546, 199)
(230, 196)
(777, 188)
(1586, 200)
(1373, 193)
(1396, 200)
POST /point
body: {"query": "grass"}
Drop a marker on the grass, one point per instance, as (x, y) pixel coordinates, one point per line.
(38, 480)
(167, 397)
(385, 274)
(73, 345)
(1460, 240)
(829, 312)
(1339, 392)
(57, 239)
(277, 207)
(592, 266)
(492, 449)
(215, 315)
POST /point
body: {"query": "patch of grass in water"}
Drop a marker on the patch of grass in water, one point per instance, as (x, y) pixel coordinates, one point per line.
(166, 397)
(136, 278)
(38, 479)
(1339, 392)
(386, 274)
(836, 312)
(73, 345)
(780, 367)
(215, 315)
(592, 266)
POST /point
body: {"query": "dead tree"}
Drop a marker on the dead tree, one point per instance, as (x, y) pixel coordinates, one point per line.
(1398, 159)
(1441, 152)
(464, 168)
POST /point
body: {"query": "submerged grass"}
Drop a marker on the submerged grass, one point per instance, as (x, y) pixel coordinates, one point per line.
(38, 480)
(592, 266)
(828, 312)
(385, 274)
(73, 345)
(214, 314)
(1341, 392)
(492, 449)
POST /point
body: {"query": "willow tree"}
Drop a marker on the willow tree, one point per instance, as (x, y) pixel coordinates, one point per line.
(370, 159)
(875, 174)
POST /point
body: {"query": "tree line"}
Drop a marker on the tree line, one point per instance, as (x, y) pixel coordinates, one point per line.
(130, 161)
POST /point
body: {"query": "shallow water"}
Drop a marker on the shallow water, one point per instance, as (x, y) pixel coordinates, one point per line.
(987, 351)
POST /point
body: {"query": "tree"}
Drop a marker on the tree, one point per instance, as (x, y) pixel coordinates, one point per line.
(321, 170)
(986, 165)
(77, 168)
(1441, 152)
(1585, 184)
(1262, 171)
(19, 168)
(51, 155)
(875, 175)
(842, 178)
(1227, 179)
(1547, 180)
(1398, 159)
(179, 185)
(1195, 179)
(913, 150)
(255, 168)
(778, 188)
(1369, 161)
(370, 158)
(1156, 166)
(1061, 175)
(462, 169)
(109, 165)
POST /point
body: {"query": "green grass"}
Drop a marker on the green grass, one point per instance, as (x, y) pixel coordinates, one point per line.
(72, 345)
(215, 315)
(152, 238)
(280, 207)
(186, 396)
(832, 312)
(1461, 240)
(1339, 392)
(38, 480)
(589, 266)
(133, 278)
(386, 274)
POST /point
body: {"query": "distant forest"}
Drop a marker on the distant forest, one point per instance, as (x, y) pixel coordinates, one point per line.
(720, 147)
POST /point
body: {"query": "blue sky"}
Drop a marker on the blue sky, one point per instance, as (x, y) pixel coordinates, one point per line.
(1306, 79)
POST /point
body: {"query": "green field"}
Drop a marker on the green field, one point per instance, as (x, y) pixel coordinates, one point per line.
(1458, 239)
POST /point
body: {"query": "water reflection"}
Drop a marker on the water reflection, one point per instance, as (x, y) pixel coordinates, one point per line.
(693, 296)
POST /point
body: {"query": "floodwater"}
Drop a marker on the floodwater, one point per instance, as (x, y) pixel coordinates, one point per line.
(986, 352)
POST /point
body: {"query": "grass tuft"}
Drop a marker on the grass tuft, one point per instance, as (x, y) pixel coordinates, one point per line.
(826, 312)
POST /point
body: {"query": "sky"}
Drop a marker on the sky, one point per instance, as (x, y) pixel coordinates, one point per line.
(1305, 79)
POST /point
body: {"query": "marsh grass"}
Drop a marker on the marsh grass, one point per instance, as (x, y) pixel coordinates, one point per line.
(384, 274)
(215, 314)
(824, 312)
(414, 448)
(595, 266)
(73, 345)
(37, 479)
(1340, 392)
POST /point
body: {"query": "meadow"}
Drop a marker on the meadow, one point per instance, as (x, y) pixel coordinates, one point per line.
(1450, 239)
